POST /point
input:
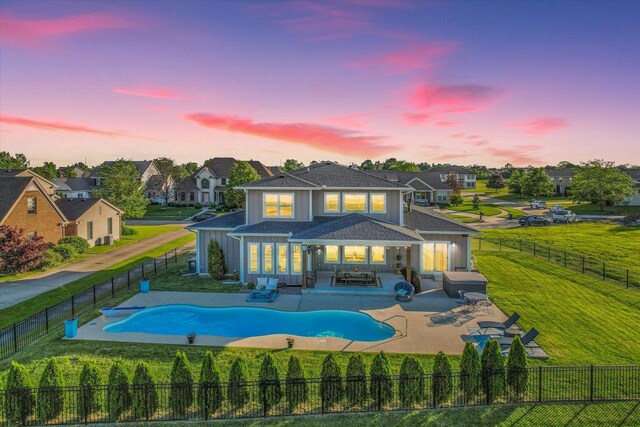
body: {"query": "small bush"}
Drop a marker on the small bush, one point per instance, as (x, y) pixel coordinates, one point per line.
(128, 231)
(381, 387)
(197, 205)
(20, 253)
(356, 380)
(238, 393)
(215, 260)
(19, 401)
(89, 397)
(441, 378)
(118, 392)
(181, 393)
(77, 242)
(51, 259)
(517, 372)
(50, 395)
(332, 388)
(296, 389)
(209, 394)
(411, 382)
(469, 372)
(493, 375)
(65, 250)
(270, 392)
(144, 393)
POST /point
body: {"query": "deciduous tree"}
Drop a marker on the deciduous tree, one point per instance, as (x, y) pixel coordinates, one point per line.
(241, 173)
(120, 185)
(292, 165)
(19, 253)
(536, 182)
(452, 181)
(495, 182)
(7, 161)
(601, 183)
(48, 171)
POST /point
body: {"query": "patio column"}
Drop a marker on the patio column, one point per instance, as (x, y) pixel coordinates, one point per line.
(304, 269)
(409, 264)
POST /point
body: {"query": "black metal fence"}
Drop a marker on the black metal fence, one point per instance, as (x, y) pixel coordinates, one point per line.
(22, 333)
(606, 271)
(167, 402)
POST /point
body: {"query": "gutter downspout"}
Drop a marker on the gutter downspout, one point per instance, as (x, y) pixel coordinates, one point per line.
(241, 269)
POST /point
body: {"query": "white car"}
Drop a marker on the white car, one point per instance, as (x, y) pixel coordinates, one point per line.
(564, 216)
(538, 204)
(557, 208)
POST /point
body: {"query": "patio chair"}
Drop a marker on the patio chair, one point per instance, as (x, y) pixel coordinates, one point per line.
(486, 324)
(526, 338)
(268, 289)
(404, 291)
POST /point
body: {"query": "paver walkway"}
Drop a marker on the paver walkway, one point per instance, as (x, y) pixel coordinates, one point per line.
(16, 291)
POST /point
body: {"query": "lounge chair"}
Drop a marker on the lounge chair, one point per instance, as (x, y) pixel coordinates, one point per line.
(404, 291)
(268, 293)
(526, 338)
(499, 325)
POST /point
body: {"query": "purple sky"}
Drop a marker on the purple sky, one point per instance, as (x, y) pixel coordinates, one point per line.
(435, 81)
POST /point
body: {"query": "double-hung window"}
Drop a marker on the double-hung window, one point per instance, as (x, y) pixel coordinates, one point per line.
(377, 255)
(296, 259)
(89, 230)
(378, 203)
(355, 254)
(354, 202)
(282, 259)
(435, 257)
(277, 205)
(109, 225)
(31, 205)
(331, 254)
(253, 250)
(267, 258)
(332, 202)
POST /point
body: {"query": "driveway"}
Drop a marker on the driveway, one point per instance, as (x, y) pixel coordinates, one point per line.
(16, 291)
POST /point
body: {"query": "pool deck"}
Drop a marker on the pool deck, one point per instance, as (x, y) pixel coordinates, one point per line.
(433, 321)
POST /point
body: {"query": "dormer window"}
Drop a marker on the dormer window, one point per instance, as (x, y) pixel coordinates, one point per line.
(204, 183)
(277, 205)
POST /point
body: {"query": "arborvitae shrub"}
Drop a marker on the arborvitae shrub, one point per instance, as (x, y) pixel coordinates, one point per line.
(89, 396)
(441, 378)
(238, 393)
(411, 382)
(469, 372)
(215, 260)
(332, 388)
(381, 386)
(50, 401)
(356, 380)
(517, 372)
(270, 392)
(118, 392)
(296, 389)
(181, 392)
(210, 395)
(493, 375)
(144, 393)
(19, 400)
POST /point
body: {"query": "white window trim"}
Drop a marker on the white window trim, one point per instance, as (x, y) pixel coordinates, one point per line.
(264, 205)
(366, 255)
(366, 202)
(422, 270)
(273, 260)
(384, 255)
(292, 262)
(277, 258)
(385, 203)
(324, 201)
(249, 258)
(325, 255)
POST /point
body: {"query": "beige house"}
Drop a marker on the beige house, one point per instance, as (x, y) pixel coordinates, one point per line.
(96, 220)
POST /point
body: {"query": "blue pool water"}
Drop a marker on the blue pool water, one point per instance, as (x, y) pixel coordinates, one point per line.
(242, 322)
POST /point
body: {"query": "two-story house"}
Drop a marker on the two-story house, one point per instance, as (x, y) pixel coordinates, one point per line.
(428, 186)
(329, 217)
(466, 176)
(75, 187)
(561, 179)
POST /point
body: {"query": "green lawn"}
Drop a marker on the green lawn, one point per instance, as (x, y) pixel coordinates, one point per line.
(463, 218)
(467, 207)
(173, 280)
(170, 213)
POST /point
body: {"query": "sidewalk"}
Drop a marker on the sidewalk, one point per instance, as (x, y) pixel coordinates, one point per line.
(16, 291)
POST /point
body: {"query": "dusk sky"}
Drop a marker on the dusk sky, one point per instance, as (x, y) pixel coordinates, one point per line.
(427, 81)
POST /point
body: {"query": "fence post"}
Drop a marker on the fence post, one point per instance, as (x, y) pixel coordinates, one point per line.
(520, 245)
(548, 253)
(501, 244)
(540, 384)
(583, 264)
(322, 395)
(627, 278)
(143, 268)
(175, 254)
(264, 399)
(46, 317)
(128, 278)
(155, 267)
(592, 382)
(604, 274)
(565, 258)
(534, 248)
(94, 296)
(166, 261)
(113, 291)
(15, 339)
(73, 305)
(378, 380)
(480, 243)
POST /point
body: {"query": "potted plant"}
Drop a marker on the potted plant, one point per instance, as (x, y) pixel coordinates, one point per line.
(290, 342)
(71, 327)
(398, 259)
(191, 337)
(251, 285)
(144, 284)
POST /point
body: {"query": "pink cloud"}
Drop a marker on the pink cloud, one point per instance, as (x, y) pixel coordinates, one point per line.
(446, 124)
(539, 126)
(452, 98)
(15, 30)
(149, 92)
(355, 120)
(321, 137)
(416, 57)
(519, 156)
(61, 126)
(416, 119)
(480, 143)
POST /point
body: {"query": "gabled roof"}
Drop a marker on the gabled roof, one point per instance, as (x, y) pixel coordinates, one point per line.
(74, 208)
(11, 187)
(155, 182)
(452, 168)
(431, 179)
(28, 172)
(275, 170)
(141, 166)
(188, 184)
(226, 221)
(221, 167)
(262, 170)
(75, 184)
(633, 173)
(561, 172)
(356, 227)
(424, 222)
(276, 227)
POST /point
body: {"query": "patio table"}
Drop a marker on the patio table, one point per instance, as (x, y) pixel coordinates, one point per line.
(360, 277)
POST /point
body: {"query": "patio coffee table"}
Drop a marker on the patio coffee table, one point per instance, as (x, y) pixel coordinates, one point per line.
(474, 297)
(359, 277)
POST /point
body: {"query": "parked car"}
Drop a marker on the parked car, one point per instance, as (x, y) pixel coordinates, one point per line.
(538, 204)
(533, 220)
(204, 216)
(557, 208)
(564, 216)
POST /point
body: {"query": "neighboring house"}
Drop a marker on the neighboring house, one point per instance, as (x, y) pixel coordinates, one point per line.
(150, 179)
(561, 179)
(326, 217)
(79, 172)
(208, 184)
(96, 220)
(428, 187)
(635, 175)
(467, 177)
(75, 187)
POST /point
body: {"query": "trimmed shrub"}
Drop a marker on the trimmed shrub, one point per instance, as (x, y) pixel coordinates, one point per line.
(77, 242)
(197, 205)
(144, 393)
(209, 394)
(118, 392)
(19, 401)
(493, 375)
(215, 260)
(270, 392)
(65, 250)
(296, 389)
(441, 378)
(469, 372)
(238, 393)
(89, 396)
(517, 372)
(411, 382)
(50, 401)
(181, 393)
(51, 258)
(332, 388)
(356, 380)
(381, 387)
(128, 231)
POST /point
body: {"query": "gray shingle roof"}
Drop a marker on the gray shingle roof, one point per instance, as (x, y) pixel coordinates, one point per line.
(356, 227)
(432, 179)
(221, 167)
(422, 221)
(633, 173)
(276, 227)
(452, 168)
(561, 172)
(141, 166)
(230, 220)
(77, 184)
(11, 172)
(11, 187)
(74, 208)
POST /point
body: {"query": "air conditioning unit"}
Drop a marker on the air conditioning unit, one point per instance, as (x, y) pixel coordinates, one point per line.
(108, 240)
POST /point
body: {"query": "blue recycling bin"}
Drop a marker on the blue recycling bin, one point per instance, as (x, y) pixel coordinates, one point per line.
(144, 285)
(71, 327)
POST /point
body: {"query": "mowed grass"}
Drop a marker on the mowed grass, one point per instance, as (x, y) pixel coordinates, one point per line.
(170, 213)
(463, 218)
(467, 207)
(173, 279)
(142, 232)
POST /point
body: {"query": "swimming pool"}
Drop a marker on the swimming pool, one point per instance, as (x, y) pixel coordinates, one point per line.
(243, 322)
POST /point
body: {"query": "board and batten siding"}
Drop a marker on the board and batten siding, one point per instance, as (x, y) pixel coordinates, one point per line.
(391, 215)
(389, 265)
(457, 254)
(230, 247)
(300, 206)
(294, 279)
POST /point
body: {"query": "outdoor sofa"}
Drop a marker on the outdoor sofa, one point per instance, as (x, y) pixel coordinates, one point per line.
(266, 290)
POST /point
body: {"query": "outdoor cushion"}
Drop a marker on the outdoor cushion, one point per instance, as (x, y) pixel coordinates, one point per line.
(402, 292)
